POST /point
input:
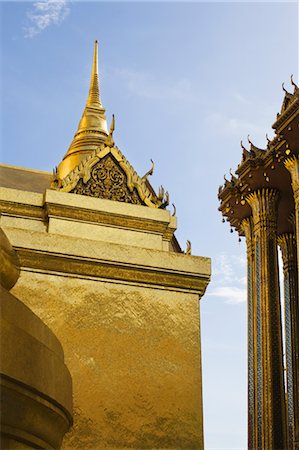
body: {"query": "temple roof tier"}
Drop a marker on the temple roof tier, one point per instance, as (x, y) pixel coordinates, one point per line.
(289, 109)
(265, 169)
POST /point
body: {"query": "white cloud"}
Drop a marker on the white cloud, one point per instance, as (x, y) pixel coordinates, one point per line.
(44, 14)
(146, 86)
(229, 278)
(226, 266)
(223, 268)
(231, 294)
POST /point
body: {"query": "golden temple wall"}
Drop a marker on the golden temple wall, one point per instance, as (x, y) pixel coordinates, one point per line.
(125, 311)
(134, 356)
(35, 384)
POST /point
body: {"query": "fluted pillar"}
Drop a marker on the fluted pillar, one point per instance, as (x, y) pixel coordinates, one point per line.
(287, 243)
(292, 164)
(271, 422)
(247, 228)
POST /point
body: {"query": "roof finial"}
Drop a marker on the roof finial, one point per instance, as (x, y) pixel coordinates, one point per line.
(112, 126)
(149, 172)
(109, 141)
(94, 89)
(284, 89)
(293, 83)
(188, 247)
(242, 146)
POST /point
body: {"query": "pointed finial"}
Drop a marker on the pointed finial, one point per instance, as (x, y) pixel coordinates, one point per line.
(293, 83)
(242, 146)
(174, 210)
(284, 89)
(109, 141)
(149, 172)
(161, 193)
(188, 247)
(233, 178)
(112, 126)
(94, 89)
(166, 200)
(248, 139)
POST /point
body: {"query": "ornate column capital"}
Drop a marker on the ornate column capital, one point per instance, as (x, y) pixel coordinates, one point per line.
(292, 165)
(287, 244)
(292, 220)
(263, 203)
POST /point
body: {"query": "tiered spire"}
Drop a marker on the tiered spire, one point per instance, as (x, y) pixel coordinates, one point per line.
(94, 90)
(92, 128)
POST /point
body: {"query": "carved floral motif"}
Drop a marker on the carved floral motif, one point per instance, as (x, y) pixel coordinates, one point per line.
(106, 173)
(107, 180)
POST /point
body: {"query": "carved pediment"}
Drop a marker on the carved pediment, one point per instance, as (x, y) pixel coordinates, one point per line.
(108, 180)
(107, 174)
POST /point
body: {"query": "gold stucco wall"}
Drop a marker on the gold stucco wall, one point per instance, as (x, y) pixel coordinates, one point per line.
(35, 384)
(122, 299)
(134, 356)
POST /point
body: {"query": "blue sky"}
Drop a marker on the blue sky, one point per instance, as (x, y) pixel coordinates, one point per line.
(187, 81)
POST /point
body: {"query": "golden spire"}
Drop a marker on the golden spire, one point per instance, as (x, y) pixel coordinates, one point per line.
(94, 90)
(92, 128)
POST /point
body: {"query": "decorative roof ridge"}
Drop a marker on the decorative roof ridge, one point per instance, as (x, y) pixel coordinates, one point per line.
(229, 185)
(253, 155)
(254, 150)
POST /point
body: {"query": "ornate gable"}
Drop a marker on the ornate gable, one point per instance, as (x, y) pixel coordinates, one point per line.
(107, 174)
(108, 180)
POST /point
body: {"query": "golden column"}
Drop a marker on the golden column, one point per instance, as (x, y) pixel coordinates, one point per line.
(249, 202)
(292, 164)
(271, 432)
(287, 243)
(247, 229)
